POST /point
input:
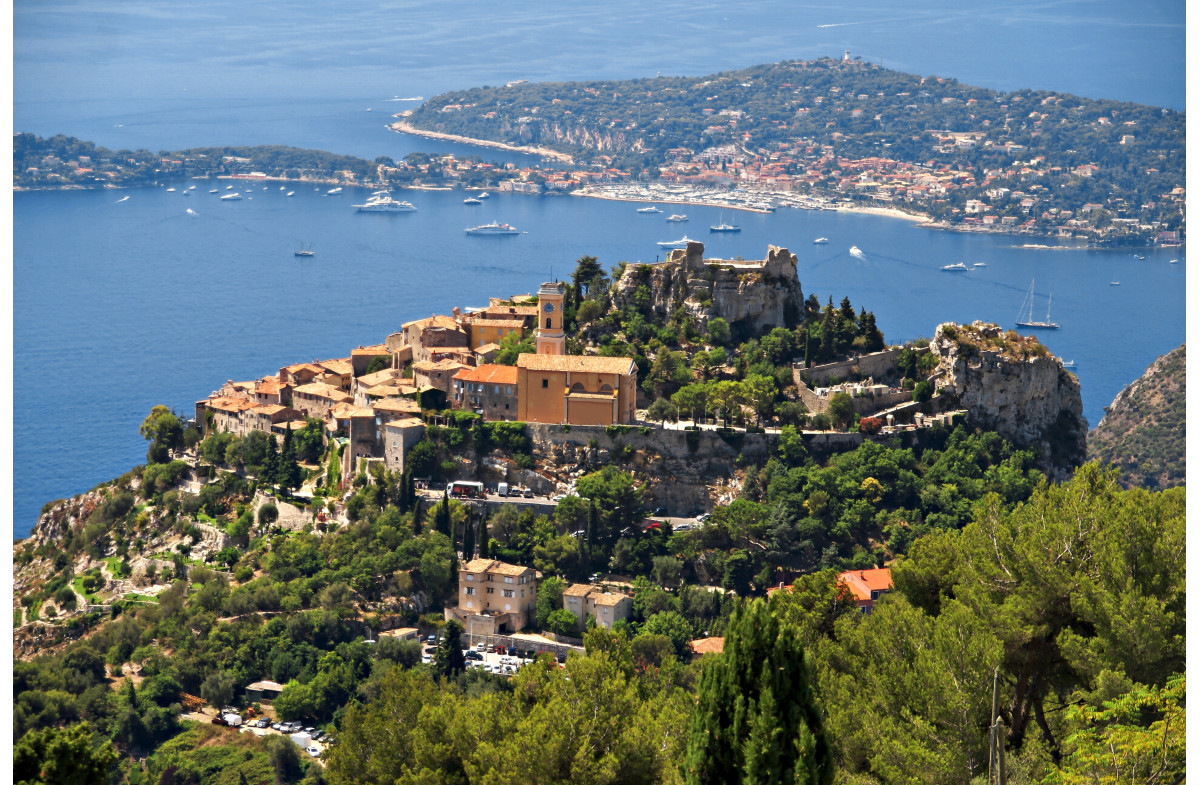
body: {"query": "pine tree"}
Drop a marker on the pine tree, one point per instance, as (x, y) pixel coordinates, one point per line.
(755, 720)
(448, 660)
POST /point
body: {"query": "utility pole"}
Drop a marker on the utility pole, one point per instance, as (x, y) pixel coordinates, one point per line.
(997, 771)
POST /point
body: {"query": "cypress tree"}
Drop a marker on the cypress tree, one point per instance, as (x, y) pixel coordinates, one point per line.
(441, 519)
(468, 541)
(269, 473)
(402, 499)
(755, 720)
(484, 539)
(417, 517)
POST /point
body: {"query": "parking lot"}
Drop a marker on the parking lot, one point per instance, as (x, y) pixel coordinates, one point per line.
(487, 658)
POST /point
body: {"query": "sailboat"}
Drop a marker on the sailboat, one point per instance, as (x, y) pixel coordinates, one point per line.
(1025, 317)
(303, 251)
(1114, 281)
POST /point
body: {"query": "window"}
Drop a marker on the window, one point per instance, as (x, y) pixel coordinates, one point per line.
(547, 323)
(545, 383)
(470, 590)
(470, 604)
(508, 579)
(606, 389)
(508, 391)
(577, 387)
(508, 593)
(470, 577)
(491, 590)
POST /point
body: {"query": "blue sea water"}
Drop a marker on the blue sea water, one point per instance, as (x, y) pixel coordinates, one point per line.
(118, 307)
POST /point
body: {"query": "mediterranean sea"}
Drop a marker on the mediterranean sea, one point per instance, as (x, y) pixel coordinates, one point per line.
(121, 305)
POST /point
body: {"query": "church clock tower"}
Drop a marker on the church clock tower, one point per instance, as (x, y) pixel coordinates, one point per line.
(550, 337)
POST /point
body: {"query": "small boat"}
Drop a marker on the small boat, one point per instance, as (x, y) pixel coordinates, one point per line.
(980, 264)
(233, 197)
(676, 219)
(680, 243)
(333, 191)
(281, 188)
(724, 228)
(472, 200)
(649, 210)
(213, 191)
(854, 251)
(190, 211)
(494, 228)
(1025, 317)
(303, 251)
(484, 195)
(187, 193)
(122, 199)
(291, 193)
(229, 188)
(955, 268)
(170, 190)
(820, 241)
(191, 188)
(1174, 261)
(1069, 365)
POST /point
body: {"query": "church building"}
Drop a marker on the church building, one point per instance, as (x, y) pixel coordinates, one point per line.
(555, 387)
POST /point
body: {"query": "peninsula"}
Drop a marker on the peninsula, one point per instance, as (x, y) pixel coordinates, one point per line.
(850, 132)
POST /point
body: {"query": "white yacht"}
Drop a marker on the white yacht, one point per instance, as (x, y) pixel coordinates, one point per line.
(494, 228)
(472, 200)
(649, 210)
(820, 241)
(680, 243)
(233, 197)
(334, 191)
(484, 195)
(854, 251)
(955, 268)
(724, 228)
(677, 219)
(384, 204)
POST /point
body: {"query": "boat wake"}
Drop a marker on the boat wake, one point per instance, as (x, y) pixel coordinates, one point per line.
(122, 199)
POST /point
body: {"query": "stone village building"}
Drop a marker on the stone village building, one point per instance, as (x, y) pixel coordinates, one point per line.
(494, 598)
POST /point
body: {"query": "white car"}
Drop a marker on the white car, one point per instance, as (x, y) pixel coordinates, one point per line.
(316, 753)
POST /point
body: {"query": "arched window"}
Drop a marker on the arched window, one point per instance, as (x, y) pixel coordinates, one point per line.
(547, 322)
(577, 387)
(606, 389)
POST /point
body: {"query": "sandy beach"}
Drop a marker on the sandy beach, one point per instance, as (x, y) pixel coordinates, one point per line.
(402, 127)
(886, 212)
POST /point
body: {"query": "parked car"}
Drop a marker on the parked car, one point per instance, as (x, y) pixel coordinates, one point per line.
(431, 640)
(471, 654)
(278, 726)
(263, 723)
(557, 498)
(527, 493)
(703, 518)
(660, 511)
(318, 735)
(316, 753)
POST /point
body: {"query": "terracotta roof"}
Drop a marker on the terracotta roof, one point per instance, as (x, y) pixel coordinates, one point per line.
(574, 363)
(575, 396)
(488, 347)
(396, 405)
(268, 409)
(489, 374)
(511, 322)
(370, 351)
(440, 365)
(268, 385)
(294, 369)
(379, 377)
(492, 311)
(708, 645)
(382, 390)
(341, 365)
(404, 422)
(494, 567)
(322, 390)
(579, 590)
(227, 404)
(607, 598)
(862, 582)
(445, 322)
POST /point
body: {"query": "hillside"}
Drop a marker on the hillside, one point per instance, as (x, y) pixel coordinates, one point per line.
(858, 131)
(1144, 430)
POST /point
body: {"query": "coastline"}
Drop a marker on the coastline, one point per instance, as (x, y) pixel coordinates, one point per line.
(401, 127)
(691, 203)
(886, 212)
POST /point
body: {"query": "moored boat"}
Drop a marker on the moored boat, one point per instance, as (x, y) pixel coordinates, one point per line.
(724, 228)
(677, 219)
(955, 268)
(649, 210)
(1025, 317)
(494, 228)
(680, 243)
(820, 241)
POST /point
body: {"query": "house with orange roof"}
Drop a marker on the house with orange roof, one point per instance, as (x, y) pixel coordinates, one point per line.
(438, 375)
(702, 646)
(300, 373)
(316, 399)
(488, 390)
(362, 357)
(494, 597)
(437, 331)
(867, 585)
(584, 600)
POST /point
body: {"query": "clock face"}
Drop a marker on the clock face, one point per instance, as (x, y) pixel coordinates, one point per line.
(548, 307)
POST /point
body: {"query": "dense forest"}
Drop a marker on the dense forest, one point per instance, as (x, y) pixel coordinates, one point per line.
(797, 113)
(1072, 593)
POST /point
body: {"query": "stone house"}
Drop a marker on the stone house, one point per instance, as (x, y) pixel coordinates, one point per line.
(489, 390)
(606, 608)
(494, 598)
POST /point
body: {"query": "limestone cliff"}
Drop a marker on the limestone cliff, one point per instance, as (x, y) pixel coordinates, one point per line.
(1011, 384)
(1144, 431)
(752, 296)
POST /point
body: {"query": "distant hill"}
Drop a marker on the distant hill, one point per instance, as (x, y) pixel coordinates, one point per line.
(856, 130)
(1144, 430)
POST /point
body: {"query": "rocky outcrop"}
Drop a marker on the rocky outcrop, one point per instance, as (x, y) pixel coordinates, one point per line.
(1012, 385)
(752, 296)
(1144, 431)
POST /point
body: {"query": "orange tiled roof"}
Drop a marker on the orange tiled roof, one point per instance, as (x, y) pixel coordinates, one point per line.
(228, 404)
(489, 374)
(444, 322)
(708, 645)
(575, 364)
(578, 590)
(862, 582)
(370, 351)
(268, 409)
(268, 385)
(339, 365)
(377, 378)
(322, 390)
(494, 567)
(396, 405)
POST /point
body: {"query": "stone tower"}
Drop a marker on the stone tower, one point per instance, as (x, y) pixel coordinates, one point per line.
(550, 337)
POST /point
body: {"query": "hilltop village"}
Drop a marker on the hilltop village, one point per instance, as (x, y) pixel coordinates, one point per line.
(568, 510)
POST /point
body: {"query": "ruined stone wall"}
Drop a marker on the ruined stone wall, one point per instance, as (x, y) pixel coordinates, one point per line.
(880, 366)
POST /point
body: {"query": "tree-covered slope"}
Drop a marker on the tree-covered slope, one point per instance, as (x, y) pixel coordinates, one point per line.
(1144, 430)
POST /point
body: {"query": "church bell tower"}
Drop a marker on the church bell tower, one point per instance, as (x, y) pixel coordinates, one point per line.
(550, 337)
